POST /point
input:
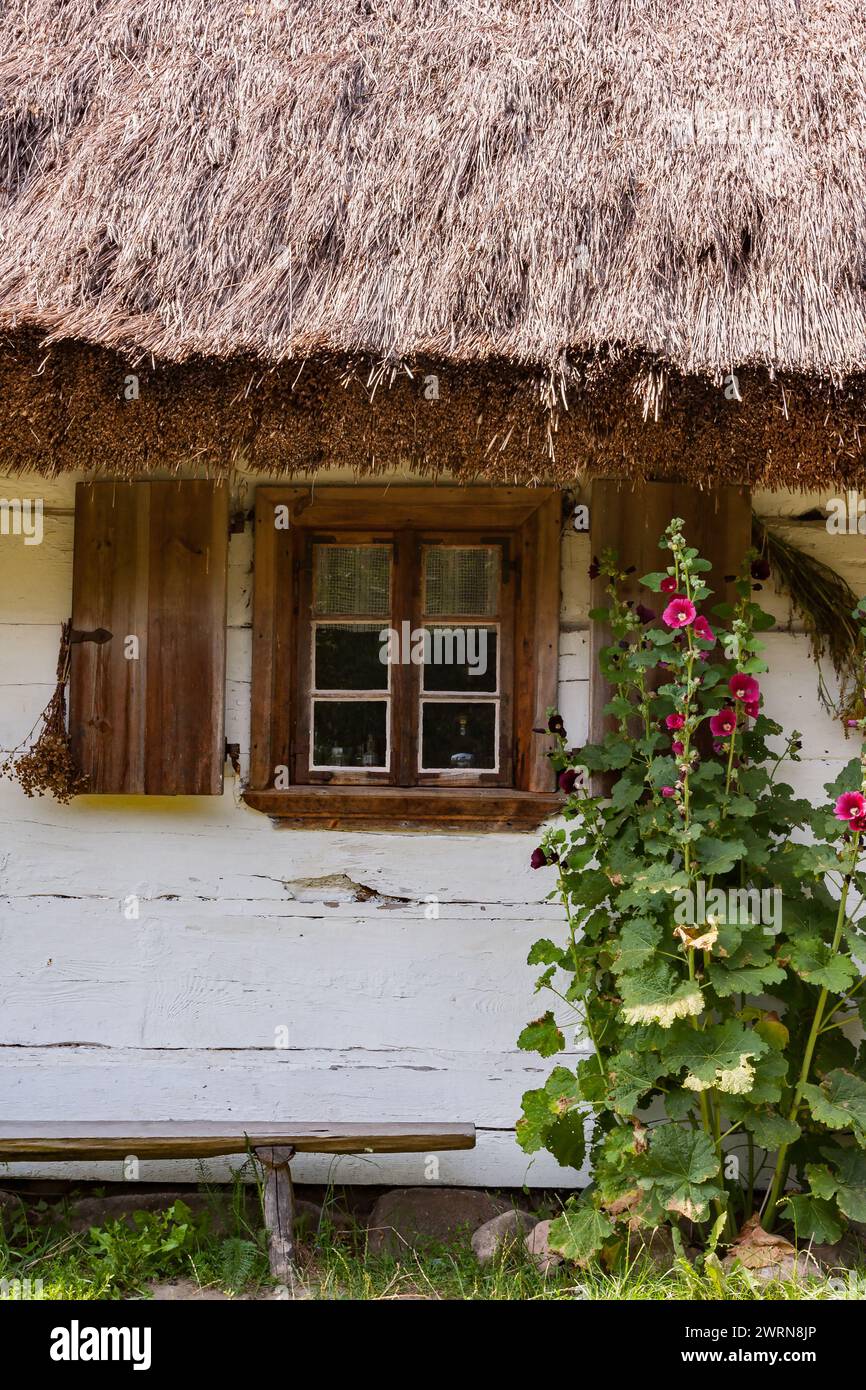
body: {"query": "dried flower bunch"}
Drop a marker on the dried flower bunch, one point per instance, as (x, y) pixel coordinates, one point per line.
(45, 766)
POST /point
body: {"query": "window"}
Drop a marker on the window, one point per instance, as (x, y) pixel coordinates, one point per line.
(404, 646)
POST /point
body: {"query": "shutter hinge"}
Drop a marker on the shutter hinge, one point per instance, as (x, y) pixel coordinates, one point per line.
(98, 635)
(233, 754)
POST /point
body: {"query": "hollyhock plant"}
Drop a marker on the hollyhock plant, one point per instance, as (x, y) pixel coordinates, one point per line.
(708, 1028)
(679, 612)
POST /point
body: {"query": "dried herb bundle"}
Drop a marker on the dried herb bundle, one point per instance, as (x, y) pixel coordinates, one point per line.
(46, 766)
(825, 601)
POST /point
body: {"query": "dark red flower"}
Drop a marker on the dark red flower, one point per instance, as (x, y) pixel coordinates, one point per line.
(744, 688)
(555, 725)
(760, 568)
(668, 585)
(595, 568)
(567, 780)
(538, 859)
(724, 723)
(645, 614)
(675, 721)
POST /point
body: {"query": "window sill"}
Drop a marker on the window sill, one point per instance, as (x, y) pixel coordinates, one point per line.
(478, 810)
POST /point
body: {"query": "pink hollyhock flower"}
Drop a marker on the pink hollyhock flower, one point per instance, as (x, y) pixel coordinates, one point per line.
(858, 823)
(850, 806)
(752, 708)
(724, 723)
(703, 630)
(675, 721)
(668, 585)
(668, 791)
(677, 749)
(744, 688)
(680, 612)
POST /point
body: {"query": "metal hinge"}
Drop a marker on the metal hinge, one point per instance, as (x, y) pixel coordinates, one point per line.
(98, 635)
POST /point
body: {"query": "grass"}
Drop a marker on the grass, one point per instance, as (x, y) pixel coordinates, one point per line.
(225, 1248)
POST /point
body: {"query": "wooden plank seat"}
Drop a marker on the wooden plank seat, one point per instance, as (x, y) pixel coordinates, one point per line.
(274, 1145)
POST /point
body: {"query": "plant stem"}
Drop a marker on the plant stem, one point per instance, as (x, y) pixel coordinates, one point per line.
(780, 1176)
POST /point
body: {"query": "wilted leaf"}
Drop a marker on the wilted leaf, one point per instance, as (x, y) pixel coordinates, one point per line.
(756, 1248)
(652, 995)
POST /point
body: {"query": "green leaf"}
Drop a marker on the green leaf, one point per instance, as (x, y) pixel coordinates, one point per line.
(850, 1165)
(632, 1074)
(821, 1181)
(677, 1168)
(847, 781)
(817, 964)
(544, 952)
(580, 1232)
(543, 1036)
(814, 1219)
(654, 580)
(718, 1056)
(839, 1102)
(652, 995)
(638, 943)
(566, 1139)
(720, 856)
(771, 1130)
(626, 793)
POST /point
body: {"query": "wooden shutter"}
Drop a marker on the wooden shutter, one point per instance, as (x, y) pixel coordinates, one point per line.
(631, 518)
(150, 565)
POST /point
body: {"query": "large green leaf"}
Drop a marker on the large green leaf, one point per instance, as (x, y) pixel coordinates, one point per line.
(719, 856)
(850, 1166)
(632, 1074)
(566, 1139)
(839, 1102)
(771, 1130)
(580, 1232)
(817, 964)
(652, 995)
(717, 1056)
(814, 1219)
(677, 1169)
(638, 943)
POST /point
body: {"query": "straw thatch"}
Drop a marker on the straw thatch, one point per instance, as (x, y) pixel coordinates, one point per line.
(670, 190)
(458, 178)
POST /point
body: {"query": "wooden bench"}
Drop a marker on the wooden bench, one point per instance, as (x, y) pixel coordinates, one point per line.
(273, 1145)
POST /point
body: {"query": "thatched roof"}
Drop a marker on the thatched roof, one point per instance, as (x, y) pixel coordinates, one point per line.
(462, 179)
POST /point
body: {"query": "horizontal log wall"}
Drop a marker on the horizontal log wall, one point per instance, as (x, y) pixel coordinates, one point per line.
(245, 930)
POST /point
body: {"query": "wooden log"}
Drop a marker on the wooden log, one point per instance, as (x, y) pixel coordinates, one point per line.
(279, 1210)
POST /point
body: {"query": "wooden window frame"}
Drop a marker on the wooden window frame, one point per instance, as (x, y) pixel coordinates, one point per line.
(521, 794)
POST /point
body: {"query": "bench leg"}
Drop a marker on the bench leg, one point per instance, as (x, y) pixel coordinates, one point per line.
(279, 1211)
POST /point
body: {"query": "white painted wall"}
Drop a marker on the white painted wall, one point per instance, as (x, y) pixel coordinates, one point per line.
(173, 1016)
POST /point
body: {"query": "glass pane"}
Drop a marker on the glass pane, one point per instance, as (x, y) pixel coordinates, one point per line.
(458, 735)
(347, 657)
(350, 733)
(352, 579)
(460, 658)
(462, 579)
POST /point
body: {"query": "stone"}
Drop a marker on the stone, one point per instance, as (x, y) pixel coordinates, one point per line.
(122, 1206)
(188, 1291)
(509, 1229)
(538, 1248)
(410, 1218)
